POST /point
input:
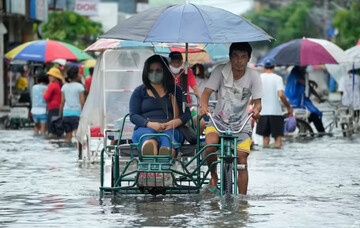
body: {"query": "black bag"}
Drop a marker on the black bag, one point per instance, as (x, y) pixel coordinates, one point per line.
(57, 127)
(188, 133)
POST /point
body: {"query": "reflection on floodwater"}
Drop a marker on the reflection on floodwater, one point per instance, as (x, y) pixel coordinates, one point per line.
(312, 183)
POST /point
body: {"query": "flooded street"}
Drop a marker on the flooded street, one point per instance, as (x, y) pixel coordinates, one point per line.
(305, 184)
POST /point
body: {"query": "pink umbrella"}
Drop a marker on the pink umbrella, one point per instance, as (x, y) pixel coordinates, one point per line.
(306, 51)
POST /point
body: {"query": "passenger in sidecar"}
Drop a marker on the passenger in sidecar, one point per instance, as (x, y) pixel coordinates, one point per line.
(155, 107)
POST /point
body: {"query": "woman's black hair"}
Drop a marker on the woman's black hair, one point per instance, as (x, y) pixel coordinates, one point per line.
(42, 78)
(72, 72)
(201, 70)
(168, 80)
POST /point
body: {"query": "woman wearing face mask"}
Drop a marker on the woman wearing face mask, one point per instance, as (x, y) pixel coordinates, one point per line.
(147, 113)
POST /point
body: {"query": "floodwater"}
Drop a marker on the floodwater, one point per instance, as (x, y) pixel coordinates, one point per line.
(313, 183)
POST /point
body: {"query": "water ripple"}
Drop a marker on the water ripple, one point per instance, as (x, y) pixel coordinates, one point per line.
(311, 184)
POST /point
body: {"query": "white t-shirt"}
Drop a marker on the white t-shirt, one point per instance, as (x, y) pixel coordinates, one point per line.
(346, 86)
(270, 102)
(234, 95)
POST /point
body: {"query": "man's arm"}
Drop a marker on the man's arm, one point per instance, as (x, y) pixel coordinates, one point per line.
(256, 108)
(285, 101)
(205, 101)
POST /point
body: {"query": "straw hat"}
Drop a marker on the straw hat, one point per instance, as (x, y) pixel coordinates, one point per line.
(55, 73)
(89, 63)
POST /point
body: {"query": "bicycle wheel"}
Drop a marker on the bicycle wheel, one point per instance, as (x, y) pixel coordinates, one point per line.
(227, 177)
(303, 128)
(346, 129)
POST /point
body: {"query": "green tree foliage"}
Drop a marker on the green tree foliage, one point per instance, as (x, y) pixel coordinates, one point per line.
(286, 23)
(70, 27)
(347, 22)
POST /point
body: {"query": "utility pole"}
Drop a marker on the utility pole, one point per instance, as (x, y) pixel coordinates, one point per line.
(325, 17)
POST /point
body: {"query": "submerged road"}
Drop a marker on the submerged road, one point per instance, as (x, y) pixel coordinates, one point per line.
(313, 183)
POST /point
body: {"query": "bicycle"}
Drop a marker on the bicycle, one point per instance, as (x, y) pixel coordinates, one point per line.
(228, 155)
(189, 179)
(303, 125)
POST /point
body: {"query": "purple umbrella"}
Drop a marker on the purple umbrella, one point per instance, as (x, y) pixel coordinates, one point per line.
(306, 51)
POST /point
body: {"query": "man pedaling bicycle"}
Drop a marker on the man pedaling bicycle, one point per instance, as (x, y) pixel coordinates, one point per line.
(236, 84)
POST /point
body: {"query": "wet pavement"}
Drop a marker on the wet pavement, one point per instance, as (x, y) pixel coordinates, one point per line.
(312, 183)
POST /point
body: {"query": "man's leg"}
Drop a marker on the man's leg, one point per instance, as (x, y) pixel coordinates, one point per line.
(212, 138)
(266, 141)
(243, 176)
(277, 142)
(277, 129)
(316, 119)
(263, 129)
(243, 150)
(315, 115)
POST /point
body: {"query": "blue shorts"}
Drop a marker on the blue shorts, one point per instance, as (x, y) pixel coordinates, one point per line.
(174, 134)
(40, 118)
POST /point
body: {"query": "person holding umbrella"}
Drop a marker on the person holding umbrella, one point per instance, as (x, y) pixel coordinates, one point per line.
(236, 84)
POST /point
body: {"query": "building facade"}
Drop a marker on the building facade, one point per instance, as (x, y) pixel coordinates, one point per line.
(18, 19)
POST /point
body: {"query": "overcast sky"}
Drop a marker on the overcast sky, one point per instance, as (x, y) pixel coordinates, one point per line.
(234, 6)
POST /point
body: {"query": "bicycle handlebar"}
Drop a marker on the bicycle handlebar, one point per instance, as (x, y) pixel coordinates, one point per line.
(227, 131)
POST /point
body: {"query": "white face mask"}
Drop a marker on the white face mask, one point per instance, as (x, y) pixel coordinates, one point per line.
(175, 70)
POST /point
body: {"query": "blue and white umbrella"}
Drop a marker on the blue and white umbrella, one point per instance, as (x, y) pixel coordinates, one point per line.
(187, 23)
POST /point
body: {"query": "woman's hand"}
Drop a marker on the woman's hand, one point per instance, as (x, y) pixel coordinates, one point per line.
(158, 127)
(172, 124)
